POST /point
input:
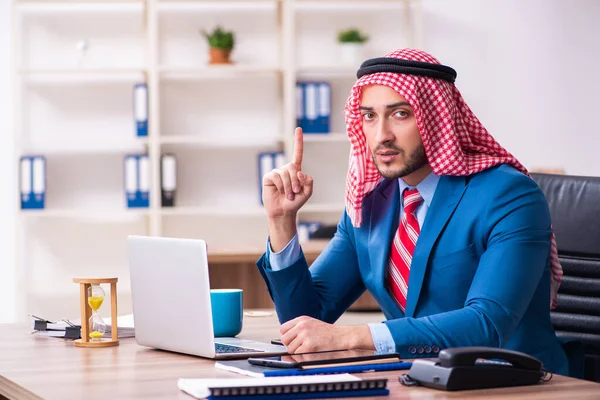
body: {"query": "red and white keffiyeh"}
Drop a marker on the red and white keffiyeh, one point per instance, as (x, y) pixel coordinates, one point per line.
(455, 141)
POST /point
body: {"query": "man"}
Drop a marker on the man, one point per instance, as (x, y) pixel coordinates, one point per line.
(442, 226)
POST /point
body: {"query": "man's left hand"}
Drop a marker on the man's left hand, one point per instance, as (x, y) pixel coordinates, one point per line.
(305, 334)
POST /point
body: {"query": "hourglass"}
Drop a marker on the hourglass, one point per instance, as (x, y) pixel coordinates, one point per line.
(93, 328)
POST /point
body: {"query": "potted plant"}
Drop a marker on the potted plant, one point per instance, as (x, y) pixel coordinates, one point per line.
(351, 43)
(220, 43)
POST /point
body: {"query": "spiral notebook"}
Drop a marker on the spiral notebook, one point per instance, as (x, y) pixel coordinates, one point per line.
(284, 387)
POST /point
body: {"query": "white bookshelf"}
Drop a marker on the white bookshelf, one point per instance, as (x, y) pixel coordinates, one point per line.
(217, 72)
(217, 142)
(248, 211)
(199, 7)
(76, 109)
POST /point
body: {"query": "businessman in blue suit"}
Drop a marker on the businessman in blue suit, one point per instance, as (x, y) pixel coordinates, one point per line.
(467, 258)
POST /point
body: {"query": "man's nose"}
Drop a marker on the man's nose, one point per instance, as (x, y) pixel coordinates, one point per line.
(384, 133)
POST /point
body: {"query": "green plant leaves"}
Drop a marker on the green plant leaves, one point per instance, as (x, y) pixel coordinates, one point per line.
(352, 35)
(220, 38)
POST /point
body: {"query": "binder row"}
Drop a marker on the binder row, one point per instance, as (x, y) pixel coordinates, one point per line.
(313, 106)
(136, 181)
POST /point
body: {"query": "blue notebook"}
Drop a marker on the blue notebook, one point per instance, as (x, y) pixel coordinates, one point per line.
(245, 368)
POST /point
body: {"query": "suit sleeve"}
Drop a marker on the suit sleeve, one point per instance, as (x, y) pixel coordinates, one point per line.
(323, 291)
(506, 279)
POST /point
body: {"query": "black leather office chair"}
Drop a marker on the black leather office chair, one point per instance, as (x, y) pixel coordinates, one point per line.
(575, 208)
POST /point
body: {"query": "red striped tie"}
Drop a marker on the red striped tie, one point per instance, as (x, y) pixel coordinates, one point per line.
(403, 248)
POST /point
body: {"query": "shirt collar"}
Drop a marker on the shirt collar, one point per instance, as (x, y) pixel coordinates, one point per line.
(426, 187)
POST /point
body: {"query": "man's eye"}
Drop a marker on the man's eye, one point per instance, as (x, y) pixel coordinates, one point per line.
(401, 113)
(368, 116)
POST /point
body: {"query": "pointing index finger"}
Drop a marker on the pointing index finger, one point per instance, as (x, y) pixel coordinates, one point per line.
(298, 148)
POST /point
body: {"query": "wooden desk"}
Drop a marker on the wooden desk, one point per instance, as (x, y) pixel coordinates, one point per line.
(33, 367)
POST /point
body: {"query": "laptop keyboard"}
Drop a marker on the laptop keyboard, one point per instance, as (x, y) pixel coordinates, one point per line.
(227, 348)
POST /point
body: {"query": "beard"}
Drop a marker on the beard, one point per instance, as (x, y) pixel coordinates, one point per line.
(413, 162)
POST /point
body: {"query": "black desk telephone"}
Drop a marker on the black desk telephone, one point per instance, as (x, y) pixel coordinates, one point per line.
(464, 368)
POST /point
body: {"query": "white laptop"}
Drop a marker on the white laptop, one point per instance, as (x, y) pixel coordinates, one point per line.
(170, 291)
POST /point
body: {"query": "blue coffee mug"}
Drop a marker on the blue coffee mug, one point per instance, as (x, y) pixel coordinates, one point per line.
(227, 311)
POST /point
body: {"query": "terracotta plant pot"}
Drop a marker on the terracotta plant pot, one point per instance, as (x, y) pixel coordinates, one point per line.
(219, 56)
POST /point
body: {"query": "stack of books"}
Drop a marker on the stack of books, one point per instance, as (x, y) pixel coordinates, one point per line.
(72, 329)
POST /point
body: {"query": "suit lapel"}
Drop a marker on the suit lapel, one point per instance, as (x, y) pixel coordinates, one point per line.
(383, 224)
(447, 196)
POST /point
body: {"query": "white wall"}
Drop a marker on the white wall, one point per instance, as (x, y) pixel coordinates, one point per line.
(529, 71)
(7, 174)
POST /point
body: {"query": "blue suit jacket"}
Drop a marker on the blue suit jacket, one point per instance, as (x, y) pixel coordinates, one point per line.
(480, 273)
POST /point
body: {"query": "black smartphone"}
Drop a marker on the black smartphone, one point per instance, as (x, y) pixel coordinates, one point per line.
(308, 360)
(277, 341)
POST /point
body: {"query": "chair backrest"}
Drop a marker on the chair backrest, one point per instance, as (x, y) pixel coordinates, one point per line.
(575, 209)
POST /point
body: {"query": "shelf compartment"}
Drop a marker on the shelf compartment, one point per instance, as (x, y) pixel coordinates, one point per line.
(224, 110)
(87, 118)
(224, 179)
(73, 35)
(181, 43)
(316, 33)
(83, 182)
(340, 88)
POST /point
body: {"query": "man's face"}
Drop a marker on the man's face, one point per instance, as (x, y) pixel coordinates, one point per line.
(391, 130)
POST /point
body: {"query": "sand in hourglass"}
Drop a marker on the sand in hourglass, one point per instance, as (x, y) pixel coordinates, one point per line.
(96, 302)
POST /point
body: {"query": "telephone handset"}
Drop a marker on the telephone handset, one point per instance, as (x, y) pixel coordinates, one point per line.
(463, 368)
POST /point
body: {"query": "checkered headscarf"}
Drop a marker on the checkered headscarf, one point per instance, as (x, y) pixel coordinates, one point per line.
(455, 141)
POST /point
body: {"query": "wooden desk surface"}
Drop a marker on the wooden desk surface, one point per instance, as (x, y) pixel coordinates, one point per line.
(33, 367)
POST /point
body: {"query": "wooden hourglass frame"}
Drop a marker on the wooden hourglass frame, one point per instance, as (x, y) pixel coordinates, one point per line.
(86, 312)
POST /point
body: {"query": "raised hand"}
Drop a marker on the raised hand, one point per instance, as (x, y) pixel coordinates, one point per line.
(287, 189)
